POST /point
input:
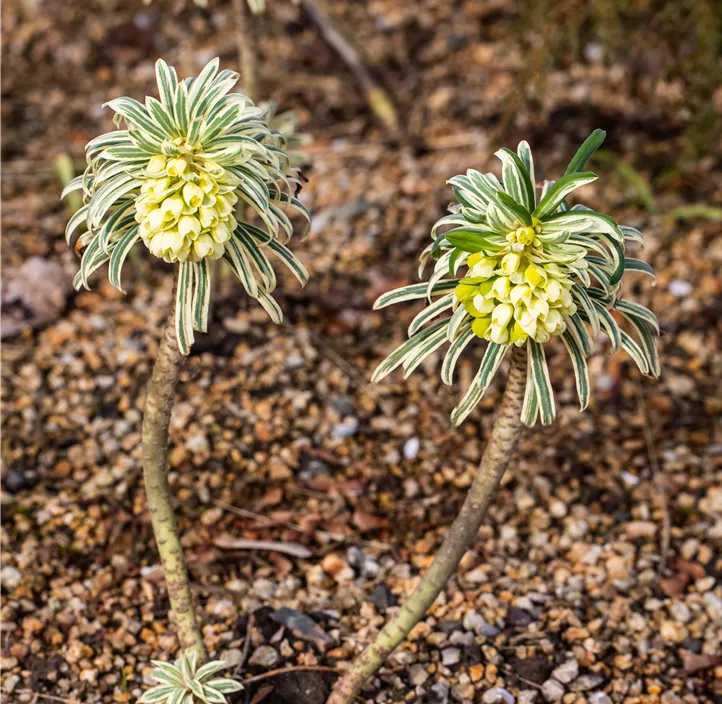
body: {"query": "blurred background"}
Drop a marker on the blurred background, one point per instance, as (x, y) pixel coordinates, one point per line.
(603, 549)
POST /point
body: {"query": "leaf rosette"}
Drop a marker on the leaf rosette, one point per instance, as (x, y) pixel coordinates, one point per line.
(514, 267)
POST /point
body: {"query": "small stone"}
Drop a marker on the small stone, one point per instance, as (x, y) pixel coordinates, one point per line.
(439, 693)
(11, 682)
(264, 656)
(211, 516)
(679, 288)
(713, 606)
(337, 568)
(264, 588)
(463, 691)
(198, 444)
(462, 638)
(680, 611)
(473, 622)
(418, 675)
(10, 577)
(673, 632)
(528, 696)
(640, 529)
(382, 597)
(411, 448)
(233, 656)
(558, 509)
(587, 682)
(599, 698)
(518, 617)
(566, 672)
(450, 656)
(552, 691)
(496, 695)
(345, 429)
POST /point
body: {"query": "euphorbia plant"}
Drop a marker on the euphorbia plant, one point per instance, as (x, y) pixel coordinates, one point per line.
(174, 181)
(532, 269)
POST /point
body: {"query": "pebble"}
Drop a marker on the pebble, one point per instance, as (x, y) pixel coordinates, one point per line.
(411, 448)
(418, 674)
(473, 621)
(498, 694)
(599, 698)
(439, 693)
(566, 672)
(680, 288)
(528, 696)
(450, 656)
(713, 606)
(233, 656)
(264, 656)
(10, 577)
(587, 682)
(673, 631)
(345, 429)
(552, 691)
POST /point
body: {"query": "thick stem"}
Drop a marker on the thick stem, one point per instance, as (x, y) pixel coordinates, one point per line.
(156, 418)
(461, 535)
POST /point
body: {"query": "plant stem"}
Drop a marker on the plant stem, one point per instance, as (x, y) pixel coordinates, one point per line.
(156, 418)
(461, 535)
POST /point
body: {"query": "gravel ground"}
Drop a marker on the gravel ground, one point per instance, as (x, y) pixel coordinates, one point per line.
(598, 576)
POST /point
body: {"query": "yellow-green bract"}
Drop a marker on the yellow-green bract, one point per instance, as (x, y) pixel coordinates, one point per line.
(534, 269)
(174, 180)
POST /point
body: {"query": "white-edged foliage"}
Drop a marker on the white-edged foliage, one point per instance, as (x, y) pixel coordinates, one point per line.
(183, 682)
(535, 269)
(178, 180)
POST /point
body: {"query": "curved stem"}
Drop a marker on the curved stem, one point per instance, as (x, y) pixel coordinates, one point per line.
(461, 535)
(156, 418)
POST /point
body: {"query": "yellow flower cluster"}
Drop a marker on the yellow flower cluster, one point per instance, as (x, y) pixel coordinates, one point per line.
(511, 298)
(185, 208)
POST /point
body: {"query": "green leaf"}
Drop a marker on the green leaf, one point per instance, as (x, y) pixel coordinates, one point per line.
(184, 319)
(201, 299)
(397, 357)
(631, 264)
(136, 114)
(470, 239)
(236, 256)
(226, 685)
(78, 218)
(542, 383)
(582, 297)
(489, 365)
(197, 689)
(167, 83)
(610, 325)
(294, 264)
(581, 371)
(524, 152)
(157, 694)
(560, 190)
(120, 252)
(107, 195)
(430, 312)
(453, 354)
(627, 308)
(270, 306)
(590, 145)
(199, 86)
(259, 259)
(412, 293)
(423, 351)
(162, 116)
(210, 669)
(213, 696)
(530, 407)
(165, 672)
(517, 180)
(522, 215)
(576, 327)
(630, 346)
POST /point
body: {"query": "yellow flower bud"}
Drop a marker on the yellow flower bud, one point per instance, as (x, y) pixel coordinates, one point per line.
(502, 314)
(510, 263)
(192, 195)
(535, 275)
(520, 293)
(189, 226)
(171, 208)
(554, 290)
(208, 216)
(176, 167)
(221, 233)
(483, 269)
(502, 288)
(203, 246)
(525, 235)
(498, 335)
(208, 185)
(155, 165)
(517, 336)
(537, 307)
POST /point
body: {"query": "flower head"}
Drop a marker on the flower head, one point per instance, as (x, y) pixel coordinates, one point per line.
(184, 683)
(534, 269)
(179, 180)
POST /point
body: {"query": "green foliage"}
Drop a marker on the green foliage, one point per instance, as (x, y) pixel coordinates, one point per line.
(184, 683)
(535, 269)
(176, 179)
